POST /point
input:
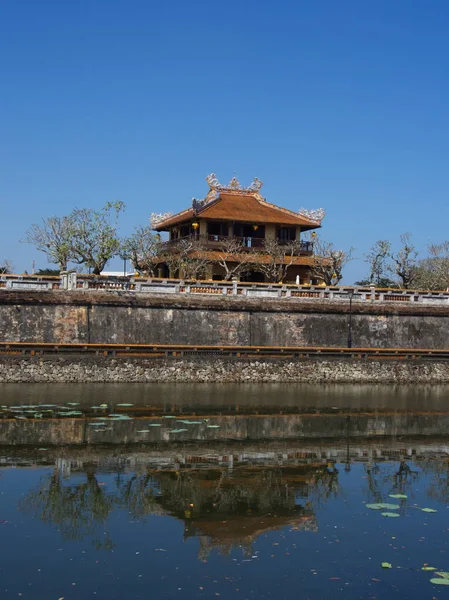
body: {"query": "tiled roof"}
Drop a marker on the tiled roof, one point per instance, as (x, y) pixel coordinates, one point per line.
(241, 207)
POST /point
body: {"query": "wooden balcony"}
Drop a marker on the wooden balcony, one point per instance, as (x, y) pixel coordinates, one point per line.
(217, 242)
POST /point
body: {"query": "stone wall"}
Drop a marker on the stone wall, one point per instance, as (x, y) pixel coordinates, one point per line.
(99, 369)
(119, 317)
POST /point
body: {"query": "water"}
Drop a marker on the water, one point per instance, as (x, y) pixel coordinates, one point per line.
(269, 503)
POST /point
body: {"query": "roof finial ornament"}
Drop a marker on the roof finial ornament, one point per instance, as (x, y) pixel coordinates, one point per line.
(233, 187)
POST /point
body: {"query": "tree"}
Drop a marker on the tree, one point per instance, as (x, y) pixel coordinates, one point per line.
(186, 258)
(95, 240)
(329, 262)
(433, 271)
(234, 258)
(276, 259)
(48, 272)
(54, 237)
(405, 262)
(6, 267)
(377, 259)
(143, 248)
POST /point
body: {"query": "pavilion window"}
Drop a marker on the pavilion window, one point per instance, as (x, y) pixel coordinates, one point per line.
(287, 234)
(217, 228)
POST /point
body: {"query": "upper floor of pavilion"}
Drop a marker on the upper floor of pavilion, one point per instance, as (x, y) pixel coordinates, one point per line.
(239, 213)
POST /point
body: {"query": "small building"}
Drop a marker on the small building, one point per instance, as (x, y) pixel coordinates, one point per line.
(235, 233)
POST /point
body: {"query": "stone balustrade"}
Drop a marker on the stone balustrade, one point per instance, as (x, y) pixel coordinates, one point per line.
(74, 281)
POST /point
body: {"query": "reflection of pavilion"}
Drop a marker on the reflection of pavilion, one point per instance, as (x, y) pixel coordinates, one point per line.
(227, 509)
(242, 530)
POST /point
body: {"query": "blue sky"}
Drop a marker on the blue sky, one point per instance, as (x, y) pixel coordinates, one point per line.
(341, 105)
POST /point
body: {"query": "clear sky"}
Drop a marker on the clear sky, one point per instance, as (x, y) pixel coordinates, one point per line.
(336, 104)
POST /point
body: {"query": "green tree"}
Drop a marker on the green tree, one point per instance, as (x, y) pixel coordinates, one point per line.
(95, 239)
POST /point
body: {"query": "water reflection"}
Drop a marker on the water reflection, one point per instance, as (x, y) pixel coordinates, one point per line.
(275, 479)
(226, 501)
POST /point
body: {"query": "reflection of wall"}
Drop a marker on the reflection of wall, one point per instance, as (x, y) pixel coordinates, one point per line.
(230, 427)
(109, 318)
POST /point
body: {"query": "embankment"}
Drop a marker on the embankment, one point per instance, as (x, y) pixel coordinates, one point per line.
(59, 316)
(77, 369)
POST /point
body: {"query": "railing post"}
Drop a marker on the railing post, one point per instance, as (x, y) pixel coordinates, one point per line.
(373, 293)
(71, 281)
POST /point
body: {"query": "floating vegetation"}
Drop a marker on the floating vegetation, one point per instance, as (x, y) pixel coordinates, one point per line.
(187, 422)
(96, 424)
(169, 417)
(389, 514)
(386, 565)
(443, 574)
(428, 510)
(123, 404)
(213, 426)
(143, 431)
(176, 430)
(380, 505)
(397, 496)
(439, 581)
(154, 425)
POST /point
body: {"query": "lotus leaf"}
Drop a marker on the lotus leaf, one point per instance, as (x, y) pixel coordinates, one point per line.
(439, 581)
(380, 505)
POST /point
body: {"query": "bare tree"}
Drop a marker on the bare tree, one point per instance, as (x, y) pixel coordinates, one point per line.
(54, 237)
(433, 271)
(6, 267)
(234, 258)
(276, 259)
(95, 240)
(328, 262)
(377, 258)
(143, 248)
(186, 258)
(405, 262)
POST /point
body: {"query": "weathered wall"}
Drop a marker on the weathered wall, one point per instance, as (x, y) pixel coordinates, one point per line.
(78, 369)
(95, 317)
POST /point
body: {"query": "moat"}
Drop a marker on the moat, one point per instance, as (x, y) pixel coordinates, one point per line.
(243, 491)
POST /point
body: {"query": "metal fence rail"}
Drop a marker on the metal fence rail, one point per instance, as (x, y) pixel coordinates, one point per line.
(138, 285)
(176, 351)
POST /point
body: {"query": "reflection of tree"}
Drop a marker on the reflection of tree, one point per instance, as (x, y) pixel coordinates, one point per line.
(438, 470)
(137, 495)
(386, 478)
(78, 510)
(324, 484)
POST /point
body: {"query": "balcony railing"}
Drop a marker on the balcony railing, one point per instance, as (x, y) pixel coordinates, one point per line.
(213, 241)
